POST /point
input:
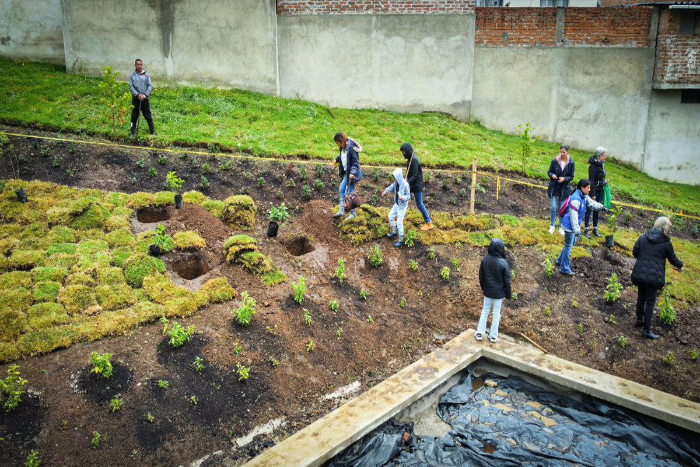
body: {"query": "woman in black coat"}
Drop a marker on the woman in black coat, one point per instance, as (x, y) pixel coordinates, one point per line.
(596, 175)
(652, 250)
(561, 172)
(414, 178)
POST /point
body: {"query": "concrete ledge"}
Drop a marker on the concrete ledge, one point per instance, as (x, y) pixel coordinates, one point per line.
(330, 435)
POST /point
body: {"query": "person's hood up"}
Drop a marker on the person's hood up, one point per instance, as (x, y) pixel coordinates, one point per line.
(594, 160)
(407, 150)
(497, 248)
(656, 236)
(398, 176)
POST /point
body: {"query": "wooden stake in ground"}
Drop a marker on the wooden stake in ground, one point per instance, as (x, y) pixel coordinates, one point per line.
(533, 342)
(471, 202)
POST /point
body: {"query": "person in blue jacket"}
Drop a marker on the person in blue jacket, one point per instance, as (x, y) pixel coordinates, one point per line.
(579, 203)
(402, 193)
(561, 172)
(348, 162)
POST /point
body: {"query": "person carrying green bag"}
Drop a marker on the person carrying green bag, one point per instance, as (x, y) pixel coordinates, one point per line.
(607, 197)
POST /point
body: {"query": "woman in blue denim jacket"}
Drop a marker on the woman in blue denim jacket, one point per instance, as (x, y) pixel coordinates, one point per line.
(348, 162)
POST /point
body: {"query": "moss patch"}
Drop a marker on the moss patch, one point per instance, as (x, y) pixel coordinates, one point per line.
(239, 212)
(44, 315)
(218, 290)
(139, 266)
(15, 280)
(110, 275)
(120, 237)
(77, 298)
(46, 291)
(140, 200)
(164, 198)
(115, 296)
(24, 260)
(189, 240)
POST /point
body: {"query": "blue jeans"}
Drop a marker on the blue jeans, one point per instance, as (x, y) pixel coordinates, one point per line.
(396, 216)
(554, 203)
(344, 186)
(481, 328)
(421, 207)
(564, 259)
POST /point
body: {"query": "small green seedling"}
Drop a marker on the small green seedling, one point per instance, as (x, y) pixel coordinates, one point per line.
(547, 311)
(95, 439)
(339, 333)
(694, 354)
(150, 418)
(177, 333)
(243, 372)
(363, 294)
(667, 314)
(173, 182)
(340, 272)
(198, 364)
(310, 346)
(271, 329)
(622, 341)
(306, 192)
(101, 364)
(318, 184)
(334, 305)
(548, 267)
(431, 253)
(445, 273)
(244, 313)
(299, 290)
(670, 359)
(580, 327)
(612, 320)
(512, 273)
(410, 238)
(163, 384)
(307, 317)
(613, 289)
(237, 348)
(454, 262)
(402, 302)
(375, 256)
(261, 182)
(12, 388)
(574, 303)
(115, 404)
(33, 460)
(369, 319)
(274, 362)
(413, 265)
(514, 296)
(193, 400)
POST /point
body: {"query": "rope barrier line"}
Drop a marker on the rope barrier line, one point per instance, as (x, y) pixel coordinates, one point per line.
(300, 161)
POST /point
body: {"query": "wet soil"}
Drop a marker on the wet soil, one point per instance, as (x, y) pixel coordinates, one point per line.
(412, 314)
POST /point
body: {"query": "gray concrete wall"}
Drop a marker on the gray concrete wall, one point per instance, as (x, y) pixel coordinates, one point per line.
(672, 150)
(221, 42)
(586, 97)
(31, 30)
(406, 63)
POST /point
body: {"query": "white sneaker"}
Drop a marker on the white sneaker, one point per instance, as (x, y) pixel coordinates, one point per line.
(561, 231)
(478, 336)
(351, 216)
(493, 339)
(551, 230)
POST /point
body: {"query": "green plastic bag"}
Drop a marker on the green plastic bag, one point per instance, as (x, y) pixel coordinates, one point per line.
(607, 197)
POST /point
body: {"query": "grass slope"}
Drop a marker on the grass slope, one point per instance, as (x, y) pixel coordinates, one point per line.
(45, 96)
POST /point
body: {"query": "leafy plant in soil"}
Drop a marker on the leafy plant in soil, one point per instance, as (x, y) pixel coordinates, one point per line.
(299, 290)
(612, 320)
(244, 313)
(613, 289)
(150, 418)
(410, 238)
(274, 362)
(33, 459)
(237, 348)
(114, 100)
(525, 144)
(243, 372)
(340, 271)
(334, 305)
(173, 182)
(363, 294)
(310, 346)
(95, 439)
(548, 267)
(101, 364)
(413, 265)
(306, 192)
(163, 384)
(667, 314)
(431, 253)
(115, 404)
(670, 359)
(339, 333)
(279, 214)
(177, 333)
(445, 273)
(622, 341)
(375, 256)
(307, 317)
(12, 388)
(693, 354)
(370, 320)
(162, 240)
(198, 364)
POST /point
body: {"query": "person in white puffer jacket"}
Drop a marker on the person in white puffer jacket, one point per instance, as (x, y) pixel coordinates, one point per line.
(402, 193)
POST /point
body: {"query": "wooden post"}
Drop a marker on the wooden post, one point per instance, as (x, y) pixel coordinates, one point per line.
(498, 187)
(471, 204)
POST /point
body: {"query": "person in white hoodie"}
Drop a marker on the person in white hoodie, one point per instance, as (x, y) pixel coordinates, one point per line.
(402, 193)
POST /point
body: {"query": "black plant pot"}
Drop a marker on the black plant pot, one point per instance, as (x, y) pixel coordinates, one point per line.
(609, 241)
(21, 195)
(272, 229)
(178, 201)
(154, 250)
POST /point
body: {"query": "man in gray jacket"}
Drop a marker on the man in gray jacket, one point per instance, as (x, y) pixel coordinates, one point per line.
(140, 86)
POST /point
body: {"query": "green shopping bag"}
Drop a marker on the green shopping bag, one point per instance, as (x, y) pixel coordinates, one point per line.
(607, 197)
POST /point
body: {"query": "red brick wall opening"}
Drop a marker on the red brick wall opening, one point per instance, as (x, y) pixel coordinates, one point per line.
(328, 7)
(677, 55)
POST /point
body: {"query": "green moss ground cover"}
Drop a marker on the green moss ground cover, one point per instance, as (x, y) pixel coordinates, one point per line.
(68, 274)
(40, 95)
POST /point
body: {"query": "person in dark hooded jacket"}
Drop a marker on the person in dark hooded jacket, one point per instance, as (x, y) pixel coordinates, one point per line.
(494, 279)
(596, 175)
(652, 250)
(414, 177)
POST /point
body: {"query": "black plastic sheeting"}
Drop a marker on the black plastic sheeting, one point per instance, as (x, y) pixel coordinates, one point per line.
(519, 424)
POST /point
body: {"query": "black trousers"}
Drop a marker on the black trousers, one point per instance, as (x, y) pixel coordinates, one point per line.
(646, 300)
(598, 196)
(145, 108)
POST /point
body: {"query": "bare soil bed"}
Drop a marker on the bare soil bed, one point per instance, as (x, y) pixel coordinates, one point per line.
(67, 404)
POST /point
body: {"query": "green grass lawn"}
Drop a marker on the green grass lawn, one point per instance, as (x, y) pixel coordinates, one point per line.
(44, 96)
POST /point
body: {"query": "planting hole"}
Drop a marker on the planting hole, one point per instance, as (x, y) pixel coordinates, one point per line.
(299, 246)
(188, 266)
(150, 215)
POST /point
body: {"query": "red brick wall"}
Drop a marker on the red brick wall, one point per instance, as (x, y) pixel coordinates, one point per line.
(528, 27)
(627, 27)
(326, 7)
(516, 26)
(677, 55)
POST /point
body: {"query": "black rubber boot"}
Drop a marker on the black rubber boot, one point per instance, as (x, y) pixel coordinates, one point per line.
(595, 232)
(587, 233)
(649, 334)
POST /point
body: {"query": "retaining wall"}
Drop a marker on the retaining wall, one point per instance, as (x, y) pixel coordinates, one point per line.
(31, 30)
